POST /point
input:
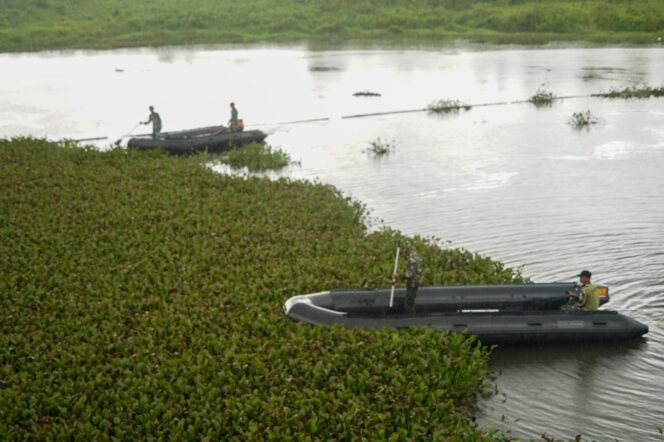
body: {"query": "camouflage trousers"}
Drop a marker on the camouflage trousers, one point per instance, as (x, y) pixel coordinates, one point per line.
(411, 293)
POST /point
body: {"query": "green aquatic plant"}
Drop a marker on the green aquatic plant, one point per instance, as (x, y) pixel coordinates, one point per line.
(633, 92)
(141, 299)
(366, 94)
(380, 148)
(542, 98)
(257, 157)
(447, 106)
(582, 119)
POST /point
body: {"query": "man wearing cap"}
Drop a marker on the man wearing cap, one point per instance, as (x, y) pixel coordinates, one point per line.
(587, 299)
(411, 276)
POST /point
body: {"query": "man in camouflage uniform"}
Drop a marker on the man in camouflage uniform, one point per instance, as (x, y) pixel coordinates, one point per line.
(411, 276)
(155, 119)
(234, 120)
(586, 299)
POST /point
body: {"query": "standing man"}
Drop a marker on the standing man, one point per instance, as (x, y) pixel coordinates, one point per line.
(586, 299)
(233, 122)
(155, 119)
(411, 276)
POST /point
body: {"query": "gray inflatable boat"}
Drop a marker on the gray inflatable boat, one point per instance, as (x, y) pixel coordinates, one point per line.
(497, 314)
(213, 139)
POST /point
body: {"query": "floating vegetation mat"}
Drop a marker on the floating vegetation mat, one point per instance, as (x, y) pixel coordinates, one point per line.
(257, 157)
(582, 119)
(380, 148)
(366, 94)
(542, 98)
(633, 92)
(141, 299)
(447, 106)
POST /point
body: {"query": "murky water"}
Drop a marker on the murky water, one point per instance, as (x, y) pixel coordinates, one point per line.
(511, 181)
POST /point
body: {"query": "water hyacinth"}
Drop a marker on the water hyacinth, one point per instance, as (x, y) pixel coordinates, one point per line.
(447, 106)
(257, 157)
(366, 94)
(582, 119)
(380, 148)
(542, 98)
(633, 92)
(141, 298)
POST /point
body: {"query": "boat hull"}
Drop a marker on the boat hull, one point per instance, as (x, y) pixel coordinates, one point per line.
(533, 317)
(197, 140)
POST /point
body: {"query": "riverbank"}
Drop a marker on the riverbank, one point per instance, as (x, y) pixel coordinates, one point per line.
(42, 25)
(142, 293)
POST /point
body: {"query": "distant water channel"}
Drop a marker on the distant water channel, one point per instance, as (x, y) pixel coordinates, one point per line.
(511, 181)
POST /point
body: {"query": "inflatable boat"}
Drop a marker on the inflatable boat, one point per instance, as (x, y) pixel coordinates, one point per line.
(213, 139)
(496, 314)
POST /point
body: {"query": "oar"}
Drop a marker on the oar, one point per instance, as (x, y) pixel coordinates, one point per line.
(396, 263)
(117, 143)
(79, 140)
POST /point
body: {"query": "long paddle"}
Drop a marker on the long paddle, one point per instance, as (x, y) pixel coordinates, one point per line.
(396, 263)
(117, 143)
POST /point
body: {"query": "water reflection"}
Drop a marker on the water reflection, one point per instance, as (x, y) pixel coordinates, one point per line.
(573, 385)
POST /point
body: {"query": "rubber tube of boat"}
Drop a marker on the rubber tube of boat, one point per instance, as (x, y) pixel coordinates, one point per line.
(396, 263)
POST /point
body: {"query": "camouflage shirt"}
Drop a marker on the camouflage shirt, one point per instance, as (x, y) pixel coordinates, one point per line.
(413, 268)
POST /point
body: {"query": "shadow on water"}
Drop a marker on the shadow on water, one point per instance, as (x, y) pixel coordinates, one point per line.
(562, 390)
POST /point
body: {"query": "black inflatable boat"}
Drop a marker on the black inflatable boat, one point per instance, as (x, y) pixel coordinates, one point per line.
(497, 314)
(213, 139)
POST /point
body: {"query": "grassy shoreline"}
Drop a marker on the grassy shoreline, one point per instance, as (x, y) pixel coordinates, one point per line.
(32, 25)
(141, 298)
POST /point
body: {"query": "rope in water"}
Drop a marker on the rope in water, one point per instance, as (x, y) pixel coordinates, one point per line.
(498, 103)
(406, 111)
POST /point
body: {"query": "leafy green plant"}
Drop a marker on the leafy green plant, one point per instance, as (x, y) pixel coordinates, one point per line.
(633, 92)
(582, 119)
(380, 148)
(257, 157)
(141, 299)
(447, 106)
(542, 98)
(366, 94)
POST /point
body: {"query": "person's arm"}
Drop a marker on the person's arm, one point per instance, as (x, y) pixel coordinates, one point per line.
(399, 276)
(583, 296)
(580, 296)
(571, 294)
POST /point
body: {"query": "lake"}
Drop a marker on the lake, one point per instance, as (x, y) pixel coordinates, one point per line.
(506, 179)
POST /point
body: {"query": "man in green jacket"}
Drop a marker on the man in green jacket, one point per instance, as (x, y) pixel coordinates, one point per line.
(587, 298)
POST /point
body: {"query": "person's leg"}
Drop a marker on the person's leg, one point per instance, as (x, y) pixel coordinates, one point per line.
(411, 292)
